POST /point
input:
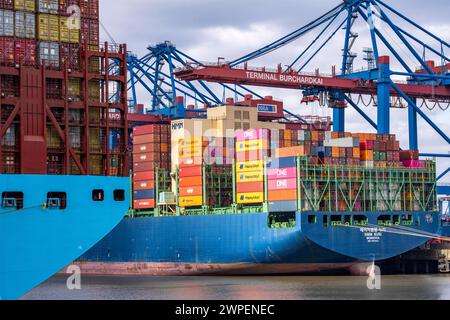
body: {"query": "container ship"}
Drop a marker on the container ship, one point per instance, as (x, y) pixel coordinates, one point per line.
(63, 157)
(242, 189)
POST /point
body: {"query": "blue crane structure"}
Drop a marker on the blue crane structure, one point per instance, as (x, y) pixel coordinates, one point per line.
(428, 84)
(154, 72)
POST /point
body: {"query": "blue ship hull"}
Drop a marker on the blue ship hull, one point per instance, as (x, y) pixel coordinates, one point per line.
(38, 240)
(244, 243)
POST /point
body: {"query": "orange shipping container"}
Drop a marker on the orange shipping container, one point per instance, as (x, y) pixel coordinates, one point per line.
(356, 153)
(366, 155)
(248, 187)
(190, 181)
(335, 152)
(290, 152)
(315, 135)
(283, 195)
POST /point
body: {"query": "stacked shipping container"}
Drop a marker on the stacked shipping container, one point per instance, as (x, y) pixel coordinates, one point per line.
(83, 133)
(151, 149)
(282, 184)
(252, 147)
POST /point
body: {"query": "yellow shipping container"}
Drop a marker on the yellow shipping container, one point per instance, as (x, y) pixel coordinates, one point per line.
(254, 176)
(191, 201)
(250, 166)
(195, 142)
(74, 89)
(67, 34)
(94, 90)
(252, 145)
(48, 27)
(249, 198)
(25, 5)
(190, 153)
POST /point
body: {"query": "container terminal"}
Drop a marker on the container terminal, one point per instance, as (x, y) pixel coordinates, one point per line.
(238, 184)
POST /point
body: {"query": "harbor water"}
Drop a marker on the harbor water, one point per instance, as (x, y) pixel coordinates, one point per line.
(399, 287)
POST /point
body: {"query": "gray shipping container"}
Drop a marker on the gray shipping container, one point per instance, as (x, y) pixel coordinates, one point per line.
(25, 25)
(343, 143)
(6, 23)
(48, 6)
(49, 51)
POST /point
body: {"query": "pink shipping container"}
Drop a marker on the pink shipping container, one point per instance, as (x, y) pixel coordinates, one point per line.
(254, 134)
(415, 164)
(286, 173)
(282, 184)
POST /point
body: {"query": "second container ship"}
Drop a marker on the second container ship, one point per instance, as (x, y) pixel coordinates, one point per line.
(247, 192)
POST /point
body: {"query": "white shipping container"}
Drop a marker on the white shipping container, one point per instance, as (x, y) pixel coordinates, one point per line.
(368, 164)
(6, 23)
(48, 6)
(25, 25)
(49, 51)
(342, 143)
(301, 135)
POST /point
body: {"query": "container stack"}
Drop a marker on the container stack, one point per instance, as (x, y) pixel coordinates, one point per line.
(252, 147)
(151, 149)
(190, 185)
(282, 184)
(218, 150)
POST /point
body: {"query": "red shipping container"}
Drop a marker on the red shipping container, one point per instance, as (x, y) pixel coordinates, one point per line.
(145, 148)
(90, 31)
(144, 176)
(406, 155)
(144, 204)
(64, 5)
(145, 139)
(249, 187)
(194, 191)
(190, 171)
(145, 157)
(89, 9)
(144, 166)
(144, 130)
(366, 145)
(7, 51)
(7, 4)
(25, 52)
(144, 185)
(70, 55)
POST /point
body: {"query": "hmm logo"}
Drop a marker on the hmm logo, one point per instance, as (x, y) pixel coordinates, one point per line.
(374, 280)
(74, 280)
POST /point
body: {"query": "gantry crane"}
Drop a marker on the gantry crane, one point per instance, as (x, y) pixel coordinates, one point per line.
(429, 83)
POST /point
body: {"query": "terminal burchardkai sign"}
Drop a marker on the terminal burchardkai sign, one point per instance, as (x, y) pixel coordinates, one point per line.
(288, 78)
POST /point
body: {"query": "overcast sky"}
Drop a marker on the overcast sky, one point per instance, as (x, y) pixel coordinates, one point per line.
(207, 29)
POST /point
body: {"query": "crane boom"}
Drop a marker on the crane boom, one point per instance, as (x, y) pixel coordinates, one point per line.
(263, 77)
